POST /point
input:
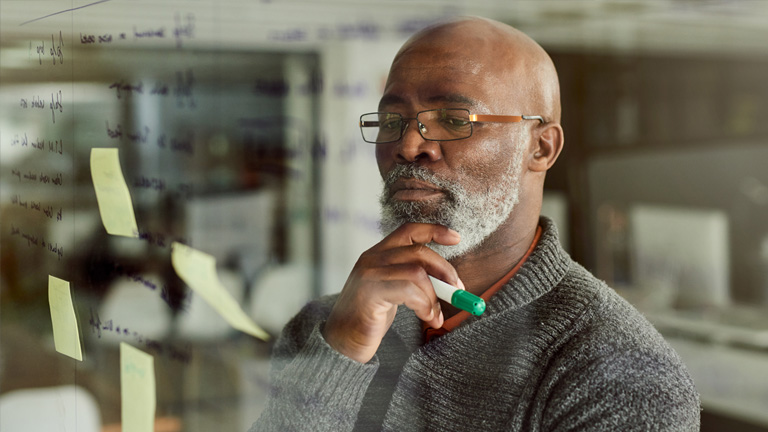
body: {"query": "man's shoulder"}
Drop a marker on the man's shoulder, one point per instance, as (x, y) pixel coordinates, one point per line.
(599, 306)
(606, 325)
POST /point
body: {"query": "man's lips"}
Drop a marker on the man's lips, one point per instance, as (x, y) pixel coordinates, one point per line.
(414, 190)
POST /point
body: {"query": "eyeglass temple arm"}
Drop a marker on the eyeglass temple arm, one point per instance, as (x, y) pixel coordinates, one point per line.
(374, 123)
(487, 118)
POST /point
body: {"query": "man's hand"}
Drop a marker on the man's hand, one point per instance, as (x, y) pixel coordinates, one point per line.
(391, 273)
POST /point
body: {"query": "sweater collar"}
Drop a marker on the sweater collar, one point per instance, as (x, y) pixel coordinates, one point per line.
(543, 270)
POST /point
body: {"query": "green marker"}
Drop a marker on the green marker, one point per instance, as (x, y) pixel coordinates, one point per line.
(458, 297)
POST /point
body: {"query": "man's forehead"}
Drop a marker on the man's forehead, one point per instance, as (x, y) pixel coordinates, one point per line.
(438, 80)
(441, 99)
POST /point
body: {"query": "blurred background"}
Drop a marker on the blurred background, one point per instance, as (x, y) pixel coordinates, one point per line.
(236, 125)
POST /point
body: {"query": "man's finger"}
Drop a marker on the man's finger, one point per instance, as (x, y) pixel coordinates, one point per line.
(424, 259)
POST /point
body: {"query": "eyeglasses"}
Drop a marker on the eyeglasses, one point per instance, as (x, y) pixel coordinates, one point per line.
(444, 124)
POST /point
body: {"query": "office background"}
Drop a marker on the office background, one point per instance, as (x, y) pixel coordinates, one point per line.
(236, 126)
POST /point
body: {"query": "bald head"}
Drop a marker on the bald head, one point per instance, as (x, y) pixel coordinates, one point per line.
(521, 69)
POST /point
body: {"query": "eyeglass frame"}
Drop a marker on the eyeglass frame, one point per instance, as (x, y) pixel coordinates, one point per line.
(473, 118)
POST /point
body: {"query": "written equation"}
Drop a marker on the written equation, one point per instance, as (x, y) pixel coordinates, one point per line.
(183, 28)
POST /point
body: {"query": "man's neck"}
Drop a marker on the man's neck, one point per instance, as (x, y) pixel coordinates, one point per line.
(495, 257)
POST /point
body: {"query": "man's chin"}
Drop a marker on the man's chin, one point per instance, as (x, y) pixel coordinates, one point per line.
(426, 211)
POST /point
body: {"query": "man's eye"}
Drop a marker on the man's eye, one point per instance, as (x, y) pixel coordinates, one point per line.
(454, 122)
(391, 124)
(457, 121)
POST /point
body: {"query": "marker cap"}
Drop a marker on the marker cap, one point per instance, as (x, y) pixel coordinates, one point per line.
(469, 302)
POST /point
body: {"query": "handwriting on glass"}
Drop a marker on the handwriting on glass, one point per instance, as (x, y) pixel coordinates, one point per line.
(48, 211)
(181, 354)
(53, 146)
(183, 29)
(142, 135)
(56, 51)
(35, 241)
(165, 294)
(37, 102)
(182, 89)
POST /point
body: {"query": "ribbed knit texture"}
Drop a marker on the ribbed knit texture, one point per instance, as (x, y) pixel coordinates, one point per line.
(556, 350)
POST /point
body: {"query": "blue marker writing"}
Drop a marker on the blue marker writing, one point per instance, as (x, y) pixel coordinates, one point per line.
(460, 298)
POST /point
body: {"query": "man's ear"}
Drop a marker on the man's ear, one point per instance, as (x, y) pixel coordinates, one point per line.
(547, 148)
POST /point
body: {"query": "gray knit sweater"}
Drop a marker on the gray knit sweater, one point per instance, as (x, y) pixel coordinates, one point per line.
(556, 350)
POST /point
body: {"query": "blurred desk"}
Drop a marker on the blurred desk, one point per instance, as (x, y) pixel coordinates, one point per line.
(746, 327)
(726, 352)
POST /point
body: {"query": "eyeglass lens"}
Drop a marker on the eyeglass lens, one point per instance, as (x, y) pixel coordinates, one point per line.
(443, 124)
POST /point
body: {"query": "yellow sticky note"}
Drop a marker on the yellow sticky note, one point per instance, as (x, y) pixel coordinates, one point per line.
(198, 271)
(137, 389)
(66, 337)
(112, 193)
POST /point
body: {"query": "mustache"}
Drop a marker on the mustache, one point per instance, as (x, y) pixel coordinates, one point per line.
(417, 172)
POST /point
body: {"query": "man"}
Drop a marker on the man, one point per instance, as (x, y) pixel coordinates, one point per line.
(467, 127)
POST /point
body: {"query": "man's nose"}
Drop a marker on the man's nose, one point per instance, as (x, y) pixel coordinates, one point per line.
(413, 146)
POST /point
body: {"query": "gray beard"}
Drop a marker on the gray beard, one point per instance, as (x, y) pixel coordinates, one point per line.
(475, 216)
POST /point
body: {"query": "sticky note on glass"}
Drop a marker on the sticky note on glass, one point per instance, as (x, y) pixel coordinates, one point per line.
(112, 193)
(137, 389)
(198, 271)
(66, 337)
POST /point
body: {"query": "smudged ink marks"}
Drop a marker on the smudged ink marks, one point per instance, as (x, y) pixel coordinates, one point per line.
(279, 87)
(361, 220)
(183, 28)
(350, 31)
(180, 191)
(185, 81)
(288, 35)
(122, 88)
(153, 183)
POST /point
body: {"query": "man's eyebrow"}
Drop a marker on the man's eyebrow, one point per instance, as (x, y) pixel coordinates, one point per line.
(390, 99)
(454, 98)
(450, 98)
